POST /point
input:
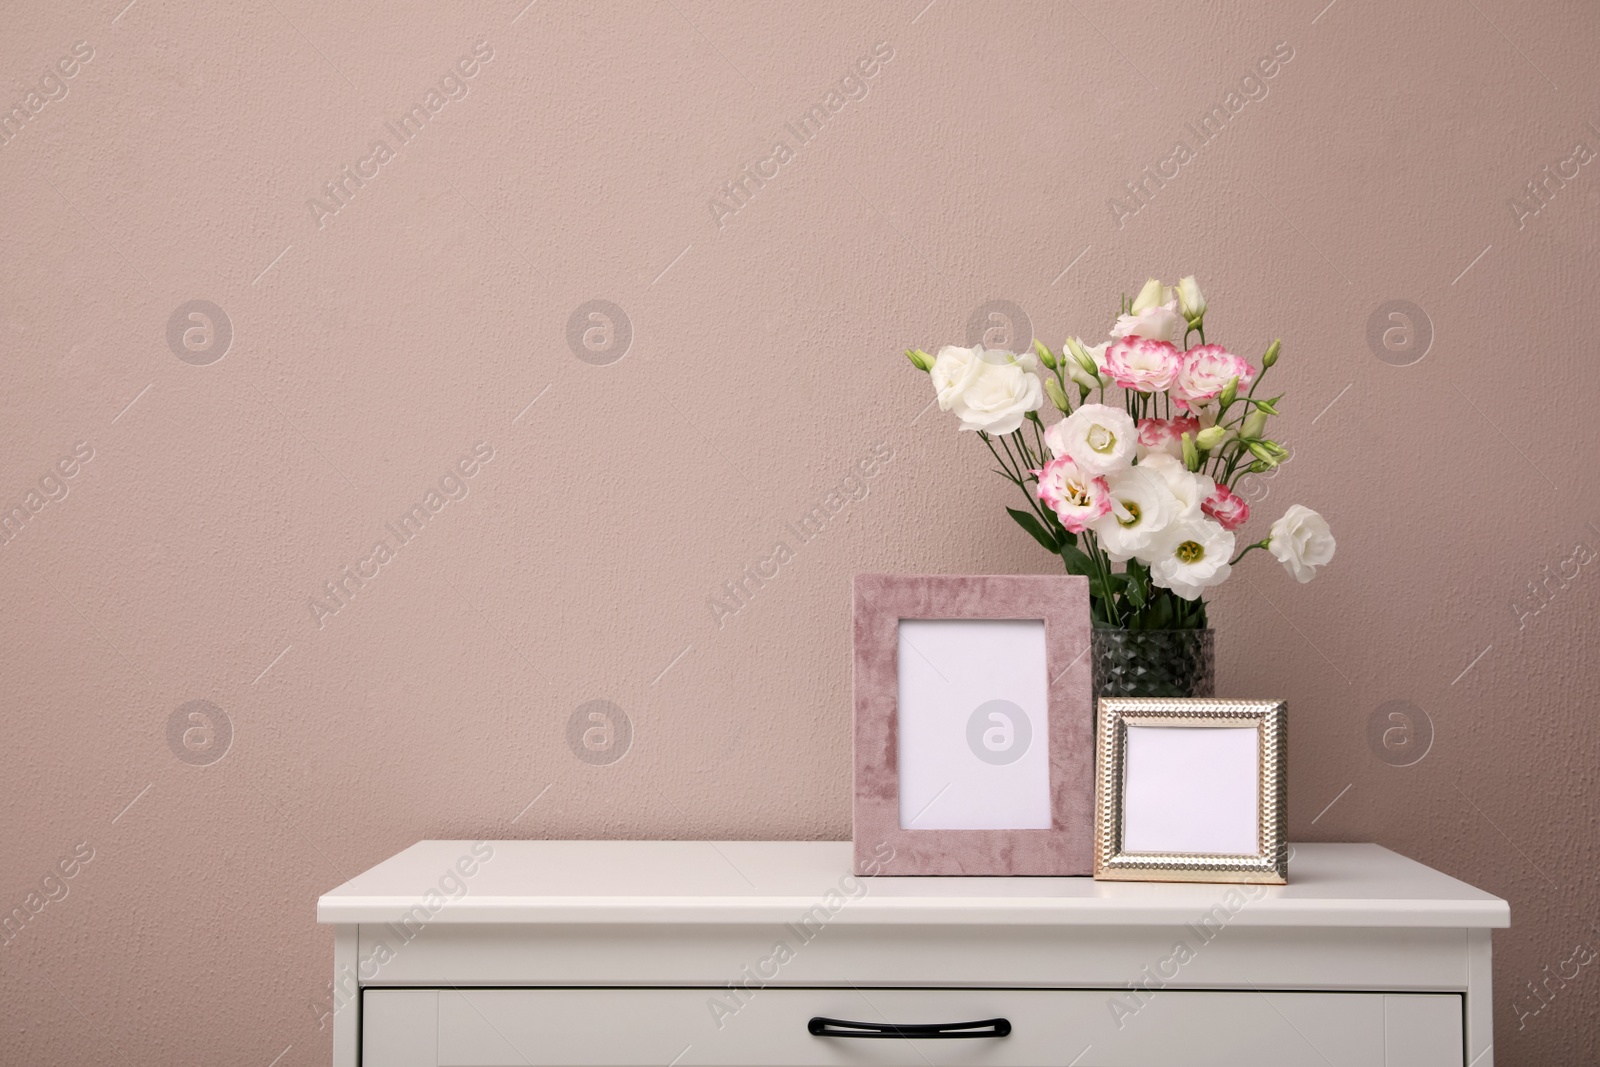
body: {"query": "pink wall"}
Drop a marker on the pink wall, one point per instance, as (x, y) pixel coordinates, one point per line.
(374, 347)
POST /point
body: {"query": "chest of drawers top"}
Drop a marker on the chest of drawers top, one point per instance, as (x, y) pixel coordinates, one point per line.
(761, 882)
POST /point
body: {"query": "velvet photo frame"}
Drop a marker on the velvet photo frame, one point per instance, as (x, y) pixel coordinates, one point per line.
(1033, 810)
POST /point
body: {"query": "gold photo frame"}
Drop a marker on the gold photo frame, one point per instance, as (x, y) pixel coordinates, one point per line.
(1180, 797)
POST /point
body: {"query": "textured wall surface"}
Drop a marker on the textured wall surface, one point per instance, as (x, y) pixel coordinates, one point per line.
(364, 346)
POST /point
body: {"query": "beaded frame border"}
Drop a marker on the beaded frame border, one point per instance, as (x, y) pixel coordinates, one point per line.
(1269, 865)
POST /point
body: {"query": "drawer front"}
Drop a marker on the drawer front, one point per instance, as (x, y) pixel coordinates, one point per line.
(1047, 1028)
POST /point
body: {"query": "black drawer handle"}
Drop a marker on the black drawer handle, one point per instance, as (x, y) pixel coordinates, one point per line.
(821, 1027)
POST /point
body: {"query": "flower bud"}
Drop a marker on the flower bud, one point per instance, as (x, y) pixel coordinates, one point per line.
(919, 359)
(1047, 357)
(1209, 438)
(1264, 454)
(1150, 296)
(1191, 455)
(1190, 301)
(1255, 424)
(1229, 392)
(1057, 395)
(1272, 354)
(1082, 357)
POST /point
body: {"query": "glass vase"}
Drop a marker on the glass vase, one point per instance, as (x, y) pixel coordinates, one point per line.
(1154, 663)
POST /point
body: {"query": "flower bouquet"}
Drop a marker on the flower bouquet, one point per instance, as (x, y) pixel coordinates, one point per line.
(1135, 492)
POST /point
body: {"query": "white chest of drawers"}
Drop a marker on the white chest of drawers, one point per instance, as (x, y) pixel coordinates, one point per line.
(570, 953)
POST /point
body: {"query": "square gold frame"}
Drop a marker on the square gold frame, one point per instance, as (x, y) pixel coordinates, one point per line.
(1269, 865)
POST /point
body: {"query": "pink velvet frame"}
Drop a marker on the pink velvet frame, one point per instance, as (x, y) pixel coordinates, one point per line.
(1062, 601)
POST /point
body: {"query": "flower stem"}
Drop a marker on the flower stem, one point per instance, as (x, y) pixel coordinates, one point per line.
(1020, 465)
(1102, 565)
(1015, 478)
(1246, 549)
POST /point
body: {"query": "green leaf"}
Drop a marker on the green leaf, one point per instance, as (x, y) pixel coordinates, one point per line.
(1033, 526)
(1099, 587)
(1138, 590)
(1077, 562)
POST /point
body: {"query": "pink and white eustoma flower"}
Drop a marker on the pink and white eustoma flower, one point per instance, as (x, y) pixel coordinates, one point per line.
(1203, 372)
(1142, 364)
(1227, 507)
(1141, 508)
(1077, 498)
(1099, 438)
(1165, 436)
(1190, 556)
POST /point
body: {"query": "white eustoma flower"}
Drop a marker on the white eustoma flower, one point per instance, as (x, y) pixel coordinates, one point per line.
(1141, 508)
(1191, 489)
(1190, 556)
(1099, 438)
(1302, 542)
(1153, 294)
(1191, 302)
(1157, 319)
(991, 391)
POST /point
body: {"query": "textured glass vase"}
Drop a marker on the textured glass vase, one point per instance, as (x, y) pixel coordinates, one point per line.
(1154, 663)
